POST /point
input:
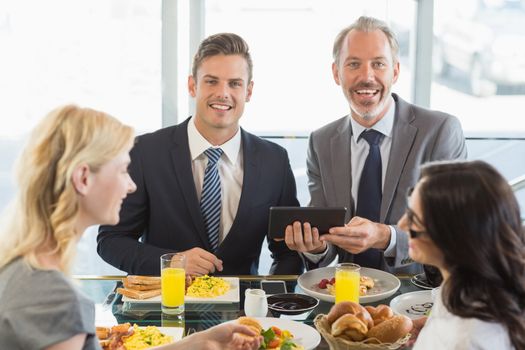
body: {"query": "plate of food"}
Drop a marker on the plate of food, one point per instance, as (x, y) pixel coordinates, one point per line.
(375, 284)
(279, 333)
(124, 336)
(413, 304)
(203, 289)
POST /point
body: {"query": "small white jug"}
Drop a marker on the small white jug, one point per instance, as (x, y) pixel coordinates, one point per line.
(255, 303)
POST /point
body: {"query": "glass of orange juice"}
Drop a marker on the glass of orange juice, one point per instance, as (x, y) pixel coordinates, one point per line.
(172, 284)
(347, 282)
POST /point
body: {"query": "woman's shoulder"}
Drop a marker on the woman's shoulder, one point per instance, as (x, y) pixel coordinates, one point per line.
(485, 335)
(474, 333)
(22, 285)
(444, 330)
(43, 304)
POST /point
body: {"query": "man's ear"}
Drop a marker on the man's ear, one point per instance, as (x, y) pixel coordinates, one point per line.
(397, 67)
(192, 86)
(335, 72)
(249, 91)
(80, 178)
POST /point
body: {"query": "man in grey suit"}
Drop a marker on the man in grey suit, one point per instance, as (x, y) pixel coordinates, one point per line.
(370, 178)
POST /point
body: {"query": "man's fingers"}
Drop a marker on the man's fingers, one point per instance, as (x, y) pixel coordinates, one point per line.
(206, 255)
(347, 231)
(356, 220)
(212, 262)
(218, 264)
(239, 328)
(307, 237)
(351, 244)
(201, 262)
(315, 234)
(288, 236)
(298, 233)
(340, 230)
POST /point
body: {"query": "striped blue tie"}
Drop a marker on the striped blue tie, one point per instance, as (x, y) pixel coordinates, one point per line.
(211, 197)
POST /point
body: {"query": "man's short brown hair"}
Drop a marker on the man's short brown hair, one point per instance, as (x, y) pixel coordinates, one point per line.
(222, 44)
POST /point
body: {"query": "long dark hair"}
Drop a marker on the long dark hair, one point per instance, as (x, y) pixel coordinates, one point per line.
(471, 214)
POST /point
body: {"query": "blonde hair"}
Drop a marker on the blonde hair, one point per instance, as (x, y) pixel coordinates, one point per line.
(44, 211)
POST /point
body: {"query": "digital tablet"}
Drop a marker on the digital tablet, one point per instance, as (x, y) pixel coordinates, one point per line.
(322, 218)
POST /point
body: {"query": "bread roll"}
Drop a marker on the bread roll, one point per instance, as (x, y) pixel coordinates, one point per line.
(380, 313)
(391, 330)
(349, 307)
(251, 323)
(350, 326)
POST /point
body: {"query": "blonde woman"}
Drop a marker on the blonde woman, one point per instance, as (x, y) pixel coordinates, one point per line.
(72, 174)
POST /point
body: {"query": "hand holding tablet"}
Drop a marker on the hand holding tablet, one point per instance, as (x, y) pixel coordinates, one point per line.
(321, 218)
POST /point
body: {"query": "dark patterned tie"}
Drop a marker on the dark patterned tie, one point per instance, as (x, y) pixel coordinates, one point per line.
(369, 194)
(211, 197)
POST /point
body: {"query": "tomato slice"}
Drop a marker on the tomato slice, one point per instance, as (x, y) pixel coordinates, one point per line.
(277, 331)
(273, 343)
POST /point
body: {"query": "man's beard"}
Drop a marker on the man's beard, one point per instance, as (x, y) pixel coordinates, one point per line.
(375, 111)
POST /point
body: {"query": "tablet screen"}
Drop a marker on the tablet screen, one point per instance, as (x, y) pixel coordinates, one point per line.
(322, 218)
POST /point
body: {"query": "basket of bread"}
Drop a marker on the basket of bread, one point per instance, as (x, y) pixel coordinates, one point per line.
(350, 326)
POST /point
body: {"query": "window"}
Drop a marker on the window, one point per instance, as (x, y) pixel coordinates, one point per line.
(479, 63)
(479, 68)
(291, 45)
(104, 54)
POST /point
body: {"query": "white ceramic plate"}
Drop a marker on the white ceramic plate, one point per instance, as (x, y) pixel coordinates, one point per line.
(175, 332)
(304, 335)
(414, 304)
(420, 281)
(386, 284)
(232, 296)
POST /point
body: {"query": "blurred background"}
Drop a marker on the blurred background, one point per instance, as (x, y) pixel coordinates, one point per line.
(131, 58)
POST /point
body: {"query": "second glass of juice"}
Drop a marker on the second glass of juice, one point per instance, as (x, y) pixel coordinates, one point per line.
(173, 277)
(347, 282)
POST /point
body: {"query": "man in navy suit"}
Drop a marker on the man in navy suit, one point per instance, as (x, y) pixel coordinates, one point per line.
(167, 212)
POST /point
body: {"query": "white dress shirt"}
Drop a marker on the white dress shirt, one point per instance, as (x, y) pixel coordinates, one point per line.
(358, 153)
(443, 330)
(231, 172)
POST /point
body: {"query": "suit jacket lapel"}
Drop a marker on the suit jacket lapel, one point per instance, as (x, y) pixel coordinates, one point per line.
(403, 136)
(340, 161)
(182, 168)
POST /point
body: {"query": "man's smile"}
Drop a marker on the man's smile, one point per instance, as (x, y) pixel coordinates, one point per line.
(220, 106)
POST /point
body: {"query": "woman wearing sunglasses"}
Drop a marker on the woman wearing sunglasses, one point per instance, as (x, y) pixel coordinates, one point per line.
(464, 219)
(72, 174)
